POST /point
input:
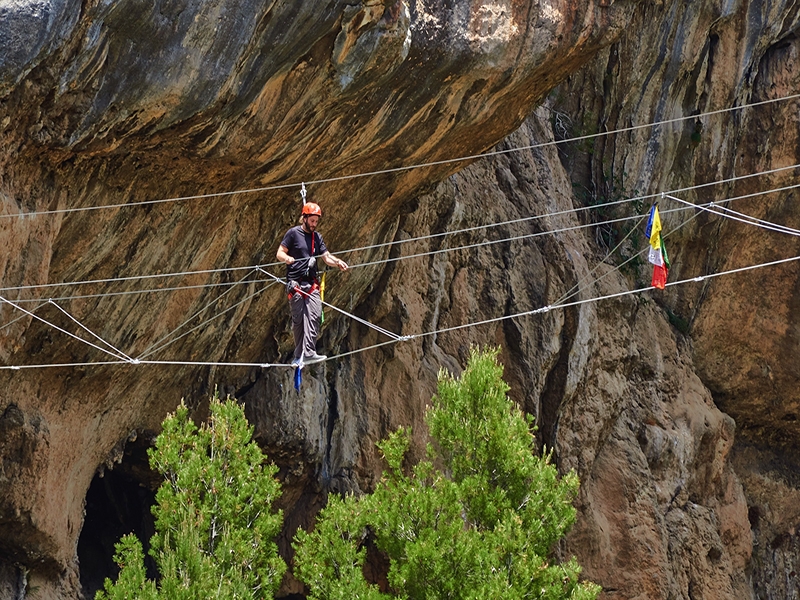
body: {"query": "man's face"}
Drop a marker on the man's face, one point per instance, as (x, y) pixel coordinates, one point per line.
(311, 222)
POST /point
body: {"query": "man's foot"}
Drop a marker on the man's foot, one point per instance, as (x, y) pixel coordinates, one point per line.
(313, 358)
(297, 362)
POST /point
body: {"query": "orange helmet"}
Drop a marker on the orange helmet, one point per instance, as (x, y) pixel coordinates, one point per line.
(311, 208)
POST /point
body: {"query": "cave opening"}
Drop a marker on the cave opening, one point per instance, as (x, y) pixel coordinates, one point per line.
(118, 502)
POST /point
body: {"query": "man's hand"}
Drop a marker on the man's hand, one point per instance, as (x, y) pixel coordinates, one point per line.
(283, 255)
(332, 261)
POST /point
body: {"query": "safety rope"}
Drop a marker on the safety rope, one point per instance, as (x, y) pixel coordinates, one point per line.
(377, 328)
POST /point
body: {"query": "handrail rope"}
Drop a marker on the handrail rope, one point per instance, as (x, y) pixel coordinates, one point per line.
(177, 288)
(420, 238)
(128, 278)
(561, 230)
(573, 210)
(403, 168)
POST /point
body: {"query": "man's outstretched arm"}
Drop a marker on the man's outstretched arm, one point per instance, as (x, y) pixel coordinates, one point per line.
(332, 261)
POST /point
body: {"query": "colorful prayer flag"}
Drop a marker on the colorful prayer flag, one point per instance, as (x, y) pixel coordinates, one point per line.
(659, 277)
(649, 229)
(653, 231)
(658, 251)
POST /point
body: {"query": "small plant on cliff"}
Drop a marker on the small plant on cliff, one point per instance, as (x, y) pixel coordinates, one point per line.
(478, 519)
(214, 526)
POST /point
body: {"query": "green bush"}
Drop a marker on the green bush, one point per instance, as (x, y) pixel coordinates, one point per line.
(478, 519)
(215, 529)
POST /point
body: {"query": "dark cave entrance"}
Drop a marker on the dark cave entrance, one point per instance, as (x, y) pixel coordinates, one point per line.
(118, 503)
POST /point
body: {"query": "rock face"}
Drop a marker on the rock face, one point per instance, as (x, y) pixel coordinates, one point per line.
(677, 422)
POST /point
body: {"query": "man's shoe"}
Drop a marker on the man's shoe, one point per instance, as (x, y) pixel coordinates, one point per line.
(313, 358)
(297, 362)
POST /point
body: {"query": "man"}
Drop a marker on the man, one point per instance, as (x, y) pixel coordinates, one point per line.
(299, 249)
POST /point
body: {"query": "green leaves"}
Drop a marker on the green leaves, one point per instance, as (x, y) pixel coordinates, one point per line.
(214, 524)
(481, 526)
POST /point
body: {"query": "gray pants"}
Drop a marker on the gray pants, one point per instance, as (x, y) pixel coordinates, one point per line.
(306, 311)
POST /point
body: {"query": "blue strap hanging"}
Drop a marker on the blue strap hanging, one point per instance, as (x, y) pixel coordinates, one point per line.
(298, 378)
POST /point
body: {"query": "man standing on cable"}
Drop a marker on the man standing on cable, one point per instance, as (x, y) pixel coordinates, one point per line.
(299, 249)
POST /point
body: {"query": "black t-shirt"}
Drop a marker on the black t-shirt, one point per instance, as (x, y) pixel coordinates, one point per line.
(299, 244)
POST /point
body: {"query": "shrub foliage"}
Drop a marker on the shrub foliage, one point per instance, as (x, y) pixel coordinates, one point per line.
(215, 528)
(478, 519)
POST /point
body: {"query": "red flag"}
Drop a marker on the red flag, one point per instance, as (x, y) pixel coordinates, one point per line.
(659, 277)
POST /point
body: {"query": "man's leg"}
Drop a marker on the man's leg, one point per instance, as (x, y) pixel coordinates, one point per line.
(313, 309)
(298, 307)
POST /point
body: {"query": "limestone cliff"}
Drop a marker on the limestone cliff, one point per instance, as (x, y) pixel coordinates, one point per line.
(678, 423)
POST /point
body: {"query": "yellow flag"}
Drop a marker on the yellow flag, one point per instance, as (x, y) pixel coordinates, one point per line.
(655, 230)
(322, 297)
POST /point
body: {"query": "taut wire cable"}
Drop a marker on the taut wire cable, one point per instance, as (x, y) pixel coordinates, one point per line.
(425, 237)
(119, 353)
(177, 288)
(152, 349)
(56, 327)
(573, 210)
(403, 168)
(546, 309)
(541, 310)
(22, 316)
(743, 219)
(147, 350)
